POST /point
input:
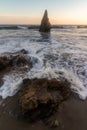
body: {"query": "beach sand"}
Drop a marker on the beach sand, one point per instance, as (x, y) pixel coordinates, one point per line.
(72, 115)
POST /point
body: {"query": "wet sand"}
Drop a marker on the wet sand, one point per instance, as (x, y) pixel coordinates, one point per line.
(72, 115)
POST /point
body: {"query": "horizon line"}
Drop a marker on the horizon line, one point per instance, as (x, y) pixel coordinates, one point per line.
(51, 24)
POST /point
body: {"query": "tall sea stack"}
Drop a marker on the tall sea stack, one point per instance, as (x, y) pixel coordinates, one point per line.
(45, 24)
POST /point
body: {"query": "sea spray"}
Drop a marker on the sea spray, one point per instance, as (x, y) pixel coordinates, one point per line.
(61, 55)
(60, 74)
(11, 84)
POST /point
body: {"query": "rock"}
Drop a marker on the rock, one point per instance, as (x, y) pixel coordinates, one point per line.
(23, 51)
(40, 98)
(18, 59)
(4, 62)
(56, 123)
(1, 82)
(45, 24)
(21, 60)
(52, 123)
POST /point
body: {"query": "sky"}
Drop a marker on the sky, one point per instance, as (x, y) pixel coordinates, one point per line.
(31, 11)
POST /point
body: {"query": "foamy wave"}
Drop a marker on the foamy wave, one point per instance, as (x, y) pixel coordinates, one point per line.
(12, 83)
(59, 74)
(62, 55)
(10, 86)
(22, 27)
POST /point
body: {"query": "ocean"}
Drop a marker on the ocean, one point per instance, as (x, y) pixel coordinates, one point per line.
(62, 53)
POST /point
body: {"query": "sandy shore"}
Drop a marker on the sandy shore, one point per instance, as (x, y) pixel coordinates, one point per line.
(72, 115)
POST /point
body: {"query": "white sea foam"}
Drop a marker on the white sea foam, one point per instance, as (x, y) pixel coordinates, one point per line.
(22, 27)
(63, 54)
(76, 84)
(10, 86)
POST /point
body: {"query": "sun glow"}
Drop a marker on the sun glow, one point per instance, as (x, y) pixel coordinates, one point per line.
(31, 11)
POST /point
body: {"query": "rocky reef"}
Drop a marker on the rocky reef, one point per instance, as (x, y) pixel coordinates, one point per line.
(45, 24)
(4, 62)
(40, 98)
(17, 59)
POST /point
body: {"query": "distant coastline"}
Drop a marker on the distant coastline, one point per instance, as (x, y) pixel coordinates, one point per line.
(16, 27)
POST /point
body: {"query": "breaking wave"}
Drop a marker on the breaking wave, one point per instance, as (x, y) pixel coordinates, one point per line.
(61, 54)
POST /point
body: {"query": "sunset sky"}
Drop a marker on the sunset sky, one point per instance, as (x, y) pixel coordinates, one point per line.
(31, 11)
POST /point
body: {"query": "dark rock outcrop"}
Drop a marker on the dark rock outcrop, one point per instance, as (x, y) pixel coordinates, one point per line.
(4, 62)
(18, 59)
(21, 60)
(1, 82)
(40, 98)
(45, 24)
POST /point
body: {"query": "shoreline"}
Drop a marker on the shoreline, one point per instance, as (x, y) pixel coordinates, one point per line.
(71, 115)
(28, 27)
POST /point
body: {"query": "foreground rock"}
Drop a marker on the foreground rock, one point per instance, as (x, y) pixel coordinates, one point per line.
(45, 24)
(40, 98)
(18, 59)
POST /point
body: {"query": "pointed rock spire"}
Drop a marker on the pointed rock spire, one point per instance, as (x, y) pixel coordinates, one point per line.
(45, 24)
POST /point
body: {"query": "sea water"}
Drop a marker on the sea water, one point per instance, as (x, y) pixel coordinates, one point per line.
(59, 54)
